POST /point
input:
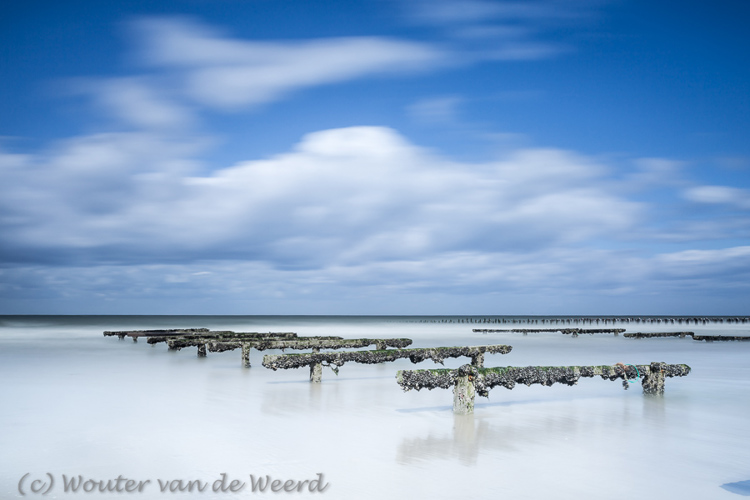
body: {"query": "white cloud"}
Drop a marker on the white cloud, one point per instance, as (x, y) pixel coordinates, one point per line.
(138, 102)
(227, 73)
(355, 215)
(340, 197)
(503, 30)
(482, 11)
(728, 266)
(720, 195)
(436, 110)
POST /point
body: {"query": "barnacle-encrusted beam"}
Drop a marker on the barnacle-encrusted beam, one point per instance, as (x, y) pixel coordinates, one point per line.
(469, 379)
(416, 355)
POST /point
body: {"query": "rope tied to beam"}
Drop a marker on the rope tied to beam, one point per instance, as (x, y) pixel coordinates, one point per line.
(626, 382)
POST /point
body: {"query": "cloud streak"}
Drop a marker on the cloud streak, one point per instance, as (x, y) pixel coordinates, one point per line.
(226, 73)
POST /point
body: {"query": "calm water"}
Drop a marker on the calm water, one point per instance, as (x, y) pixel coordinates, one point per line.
(77, 403)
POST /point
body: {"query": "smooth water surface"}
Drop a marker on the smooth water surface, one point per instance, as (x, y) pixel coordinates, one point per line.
(77, 403)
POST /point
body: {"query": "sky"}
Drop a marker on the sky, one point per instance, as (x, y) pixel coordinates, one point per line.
(375, 157)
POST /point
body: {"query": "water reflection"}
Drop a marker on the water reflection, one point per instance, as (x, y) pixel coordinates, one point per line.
(520, 425)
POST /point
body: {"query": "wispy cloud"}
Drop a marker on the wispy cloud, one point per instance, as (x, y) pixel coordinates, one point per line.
(482, 11)
(137, 102)
(502, 29)
(224, 72)
(720, 195)
(436, 110)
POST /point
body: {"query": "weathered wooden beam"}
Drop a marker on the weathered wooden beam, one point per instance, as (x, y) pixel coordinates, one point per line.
(682, 335)
(337, 359)
(307, 343)
(565, 331)
(155, 333)
(313, 343)
(221, 343)
(721, 338)
(216, 335)
(642, 335)
(482, 380)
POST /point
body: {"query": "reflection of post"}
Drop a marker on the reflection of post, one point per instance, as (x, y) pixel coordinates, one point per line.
(316, 370)
(246, 355)
(466, 439)
(202, 351)
(653, 383)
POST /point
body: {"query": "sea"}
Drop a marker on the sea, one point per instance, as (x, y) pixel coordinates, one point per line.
(88, 416)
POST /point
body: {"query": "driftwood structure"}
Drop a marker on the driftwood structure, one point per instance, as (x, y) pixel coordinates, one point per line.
(682, 335)
(469, 380)
(565, 331)
(335, 360)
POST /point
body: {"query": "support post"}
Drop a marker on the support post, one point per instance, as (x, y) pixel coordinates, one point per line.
(478, 360)
(316, 373)
(316, 370)
(653, 383)
(246, 355)
(202, 351)
(464, 391)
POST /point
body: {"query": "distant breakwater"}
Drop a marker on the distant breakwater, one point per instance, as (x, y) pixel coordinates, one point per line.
(588, 320)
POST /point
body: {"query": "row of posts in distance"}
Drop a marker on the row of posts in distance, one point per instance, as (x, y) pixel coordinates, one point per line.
(593, 320)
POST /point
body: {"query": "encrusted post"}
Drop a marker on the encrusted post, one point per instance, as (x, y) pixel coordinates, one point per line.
(316, 370)
(246, 355)
(463, 390)
(653, 383)
(202, 351)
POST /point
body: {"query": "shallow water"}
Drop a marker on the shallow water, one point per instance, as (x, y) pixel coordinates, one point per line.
(77, 403)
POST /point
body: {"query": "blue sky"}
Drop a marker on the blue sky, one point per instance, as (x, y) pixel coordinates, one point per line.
(374, 157)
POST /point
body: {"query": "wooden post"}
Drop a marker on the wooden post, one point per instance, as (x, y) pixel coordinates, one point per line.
(653, 383)
(246, 355)
(478, 360)
(316, 373)
(463, 395)
(316, 370)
